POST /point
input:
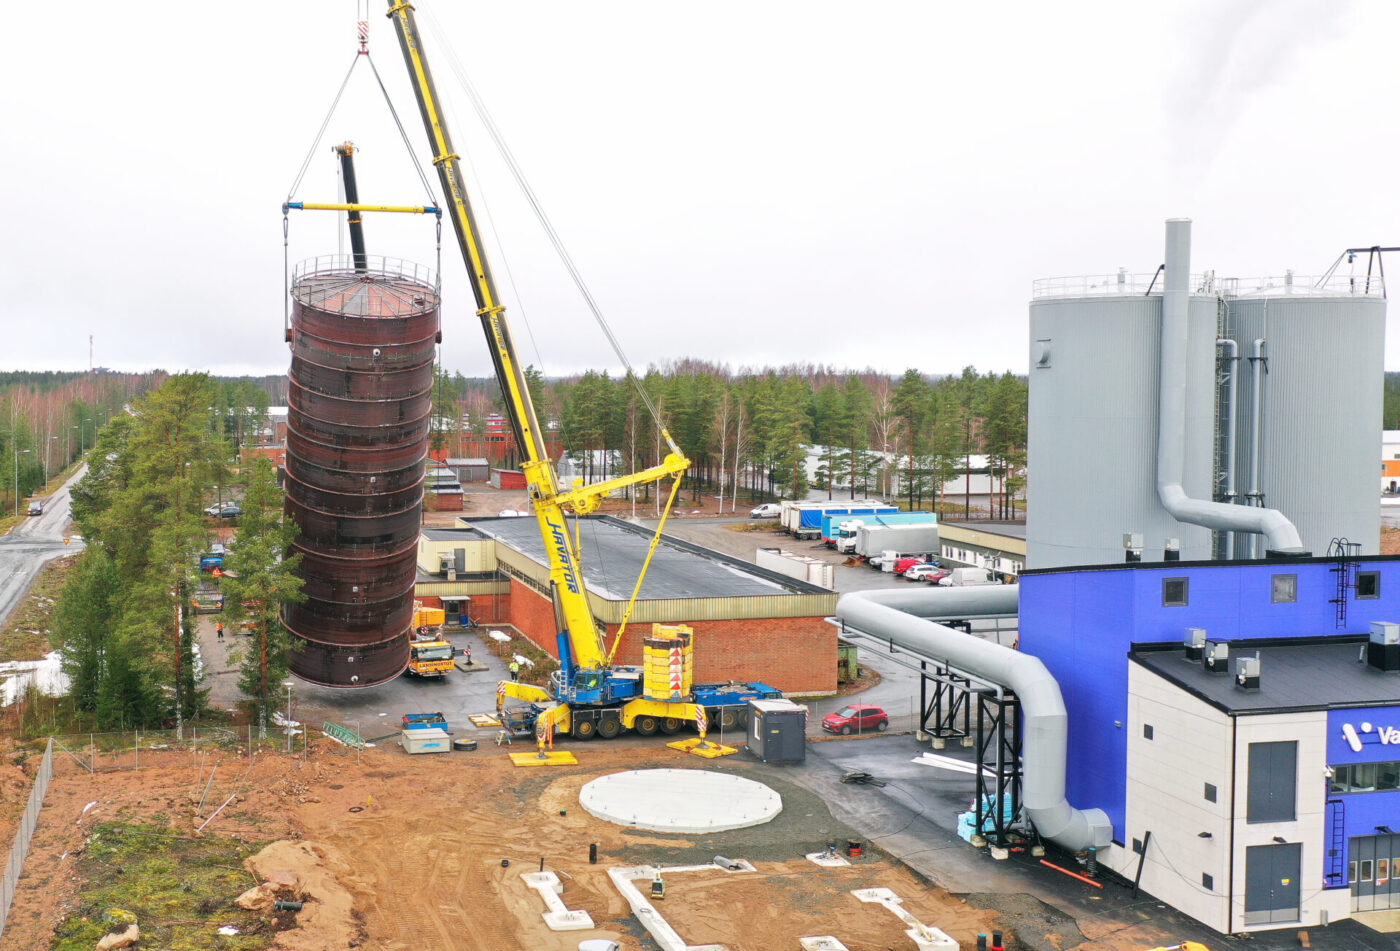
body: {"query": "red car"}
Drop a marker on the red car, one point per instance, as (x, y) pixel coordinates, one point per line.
(856, 718)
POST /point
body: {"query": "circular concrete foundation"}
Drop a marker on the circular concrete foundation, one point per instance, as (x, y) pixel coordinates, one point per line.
(680, 800)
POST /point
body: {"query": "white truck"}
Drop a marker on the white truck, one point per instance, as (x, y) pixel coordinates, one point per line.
(871, 540)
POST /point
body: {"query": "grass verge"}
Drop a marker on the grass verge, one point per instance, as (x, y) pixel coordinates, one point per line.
(181, 891)
(25, 633)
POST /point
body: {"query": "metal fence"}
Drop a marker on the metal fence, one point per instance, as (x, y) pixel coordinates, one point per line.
(15, 866)
(106, 752)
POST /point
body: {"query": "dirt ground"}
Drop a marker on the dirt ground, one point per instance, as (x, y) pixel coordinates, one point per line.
(420, 846)
(1390, 540)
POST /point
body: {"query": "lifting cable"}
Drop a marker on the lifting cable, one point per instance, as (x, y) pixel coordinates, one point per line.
(518, 174)
(432, 204)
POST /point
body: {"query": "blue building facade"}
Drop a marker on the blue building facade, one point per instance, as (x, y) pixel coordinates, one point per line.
(1082, 623)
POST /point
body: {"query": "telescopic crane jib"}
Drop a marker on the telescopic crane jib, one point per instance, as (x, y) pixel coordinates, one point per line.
(551, 502)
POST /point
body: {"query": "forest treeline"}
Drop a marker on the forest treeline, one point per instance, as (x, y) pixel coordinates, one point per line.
(125, 623)
(752, 429)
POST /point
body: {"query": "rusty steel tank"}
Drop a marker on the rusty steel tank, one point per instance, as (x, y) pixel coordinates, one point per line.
(363, 343)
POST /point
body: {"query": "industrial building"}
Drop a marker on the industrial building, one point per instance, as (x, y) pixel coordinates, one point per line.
(998, 546)
(1209, 705)
(749, 622)
(1207, 693)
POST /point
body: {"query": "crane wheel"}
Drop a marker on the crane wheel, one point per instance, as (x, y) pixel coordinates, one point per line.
(671, 726)
(584, 730)
(646, 726)
(731, 717)
(609, 727)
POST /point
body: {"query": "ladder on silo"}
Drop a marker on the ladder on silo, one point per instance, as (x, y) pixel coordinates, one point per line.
(1344, 554)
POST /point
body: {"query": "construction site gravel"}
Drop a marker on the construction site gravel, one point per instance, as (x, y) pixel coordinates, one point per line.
(428, 852)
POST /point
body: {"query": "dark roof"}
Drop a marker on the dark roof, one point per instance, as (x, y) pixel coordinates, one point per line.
(613, 552)
(1295, 674)
(450, 534)
(1016, 529)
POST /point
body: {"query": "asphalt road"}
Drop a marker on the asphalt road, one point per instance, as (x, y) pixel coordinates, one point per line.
(33, 542)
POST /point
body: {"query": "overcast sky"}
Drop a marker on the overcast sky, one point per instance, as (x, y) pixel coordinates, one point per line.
(860, 185)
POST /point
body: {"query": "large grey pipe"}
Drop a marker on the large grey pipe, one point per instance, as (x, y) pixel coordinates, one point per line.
(892, 615)
(1281, 534)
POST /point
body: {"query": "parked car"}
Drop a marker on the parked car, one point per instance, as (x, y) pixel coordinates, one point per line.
(921, 571)
(937, 575)
(766, 510)
(213, 510)
(902, 565)
(36, 507)
(231, 510)
(856, 718)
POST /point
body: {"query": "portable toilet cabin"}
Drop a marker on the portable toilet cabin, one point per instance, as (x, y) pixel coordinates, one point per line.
(777, 731)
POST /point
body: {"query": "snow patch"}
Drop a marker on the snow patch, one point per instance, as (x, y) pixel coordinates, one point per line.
(46, 675)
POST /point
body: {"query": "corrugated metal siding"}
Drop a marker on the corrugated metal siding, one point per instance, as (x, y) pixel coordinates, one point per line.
(674, 610)
(999, 543)
(1322, 411)
(457, 589)
(1093, 429)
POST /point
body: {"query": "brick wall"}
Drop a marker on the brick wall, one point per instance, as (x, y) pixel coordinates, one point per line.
(795, 654)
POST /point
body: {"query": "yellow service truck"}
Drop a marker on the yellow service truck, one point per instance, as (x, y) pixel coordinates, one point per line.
(429, 655)
(430, 658)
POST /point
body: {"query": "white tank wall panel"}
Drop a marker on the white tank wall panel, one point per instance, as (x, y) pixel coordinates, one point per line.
(1322, 411)
(1092, 452)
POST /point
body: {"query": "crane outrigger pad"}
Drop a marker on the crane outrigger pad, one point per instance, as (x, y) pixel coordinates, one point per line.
(552, 758)
(702, 747)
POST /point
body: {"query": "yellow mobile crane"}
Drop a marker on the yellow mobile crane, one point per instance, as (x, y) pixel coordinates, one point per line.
(591, 696)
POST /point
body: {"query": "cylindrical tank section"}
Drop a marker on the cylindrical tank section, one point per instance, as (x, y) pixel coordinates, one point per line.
(359, 409)
(1322, 378)
(1316, 355)
(1092, 426)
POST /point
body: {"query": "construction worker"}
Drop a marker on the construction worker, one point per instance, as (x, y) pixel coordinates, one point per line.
(219, 629)
(515, 670)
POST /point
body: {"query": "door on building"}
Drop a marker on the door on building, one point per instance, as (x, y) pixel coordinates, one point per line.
(1271, 887)
(1372, 869)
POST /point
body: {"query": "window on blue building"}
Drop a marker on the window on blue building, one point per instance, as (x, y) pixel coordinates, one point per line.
(1174, 592)
(1284, 589)
(1368, 584)
(1365, 777)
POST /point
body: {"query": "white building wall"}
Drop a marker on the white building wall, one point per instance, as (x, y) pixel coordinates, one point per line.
(1166, 781)
(1310, 732)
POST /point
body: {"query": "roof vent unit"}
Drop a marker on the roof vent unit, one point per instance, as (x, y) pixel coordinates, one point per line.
(1247, 672)
(1217, 657)
(445, 563)
(1195, 643)
(1172, 550)
(1132, 546)
(1383, 651)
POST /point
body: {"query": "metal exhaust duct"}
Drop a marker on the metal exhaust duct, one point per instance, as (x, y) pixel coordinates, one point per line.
(363, 344)
(900, 616)
(1281, 534)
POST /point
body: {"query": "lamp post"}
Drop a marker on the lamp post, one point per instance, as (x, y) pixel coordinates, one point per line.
(69, 444)
(47, 445)
(18, 452)
(288, 685)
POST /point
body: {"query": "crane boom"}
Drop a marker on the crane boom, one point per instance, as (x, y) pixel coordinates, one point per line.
(571, 599)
